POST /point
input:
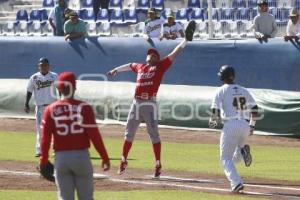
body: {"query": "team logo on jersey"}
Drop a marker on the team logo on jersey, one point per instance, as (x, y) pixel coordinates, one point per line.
(153, 28)
(43, 84)
(146, 75)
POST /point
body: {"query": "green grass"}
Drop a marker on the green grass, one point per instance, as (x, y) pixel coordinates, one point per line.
(271, 162)
(130, 195)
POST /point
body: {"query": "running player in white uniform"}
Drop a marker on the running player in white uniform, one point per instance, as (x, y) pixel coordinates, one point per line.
(235, 106)
(41, 84)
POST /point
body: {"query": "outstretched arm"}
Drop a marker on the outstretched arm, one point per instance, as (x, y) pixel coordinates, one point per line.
(177, 50)
(122, 68)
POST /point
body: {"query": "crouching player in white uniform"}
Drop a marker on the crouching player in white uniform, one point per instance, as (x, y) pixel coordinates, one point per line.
(235, 106)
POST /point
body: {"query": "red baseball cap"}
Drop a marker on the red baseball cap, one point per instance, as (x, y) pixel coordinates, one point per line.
(66, 79)
(153, 51)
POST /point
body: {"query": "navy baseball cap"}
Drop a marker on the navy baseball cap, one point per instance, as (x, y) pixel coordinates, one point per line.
(43, 61)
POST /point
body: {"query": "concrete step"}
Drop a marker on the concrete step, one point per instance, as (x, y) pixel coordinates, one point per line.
(7, 14)
(7, 19)
(26, 7)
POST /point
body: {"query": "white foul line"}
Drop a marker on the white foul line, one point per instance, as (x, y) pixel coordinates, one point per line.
(101, 176)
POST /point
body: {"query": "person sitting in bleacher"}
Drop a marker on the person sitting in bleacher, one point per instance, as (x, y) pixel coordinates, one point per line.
(75, 27)
(171, 29)
(153, 25)
(293, 26)
(264, 23)
(57, 18)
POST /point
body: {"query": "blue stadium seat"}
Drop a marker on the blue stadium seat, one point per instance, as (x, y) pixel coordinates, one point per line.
(280, 14)
(143, 5)
(114, 4)
(103, 15)
(238, 3)
(116, 16)
(205, 4)
(297, 3)
(158, 4)
(165, 12)
(215, 14)
(254, 13)
(243, 14)
(87, 14)
(130, 16)
(193, 4)
(44, 15)
(22, 15)
(227, 14)
(48, 3)
(272, 3)
(182, 15)
(252, 3)
(35, 15)
(87, 4)
(197, 14)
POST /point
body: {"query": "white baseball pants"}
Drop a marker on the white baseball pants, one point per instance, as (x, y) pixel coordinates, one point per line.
(233, 138)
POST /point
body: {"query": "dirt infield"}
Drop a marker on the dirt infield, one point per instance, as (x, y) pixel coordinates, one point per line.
(138, 179)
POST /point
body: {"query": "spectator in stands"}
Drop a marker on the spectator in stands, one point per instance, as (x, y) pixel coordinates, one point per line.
(99, 3)
(171, 29)
(75, 27)
(293, 26)
(153, 25)
(57, 18)
(264, 23)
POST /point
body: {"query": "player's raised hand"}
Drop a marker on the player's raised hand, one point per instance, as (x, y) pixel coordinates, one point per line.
(112, 73)
(105, 165)
(26, 108)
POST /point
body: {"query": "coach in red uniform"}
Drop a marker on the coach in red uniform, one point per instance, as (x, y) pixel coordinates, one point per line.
(144, 108)
(72, 124)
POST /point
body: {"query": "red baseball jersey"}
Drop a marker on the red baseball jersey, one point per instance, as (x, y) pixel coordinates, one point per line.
(149, 77)
(72, 124)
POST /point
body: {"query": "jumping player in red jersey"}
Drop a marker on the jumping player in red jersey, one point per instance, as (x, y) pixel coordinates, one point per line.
(144, 108)
(72, 124)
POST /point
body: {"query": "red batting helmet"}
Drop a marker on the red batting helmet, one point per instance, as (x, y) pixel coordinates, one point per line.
(153, 51)
(66, 80)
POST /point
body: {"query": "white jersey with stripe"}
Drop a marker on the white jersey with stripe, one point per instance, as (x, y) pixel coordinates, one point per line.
(234, 101)
(153, 27)
(42, 86)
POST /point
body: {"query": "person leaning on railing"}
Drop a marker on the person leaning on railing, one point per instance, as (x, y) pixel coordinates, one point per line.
(75, 27)
(264, 23)
(293, 26)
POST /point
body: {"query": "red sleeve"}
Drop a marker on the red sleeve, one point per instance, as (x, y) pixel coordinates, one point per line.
(134, 67)
(46, 130)
(93, 132)
(165, 63)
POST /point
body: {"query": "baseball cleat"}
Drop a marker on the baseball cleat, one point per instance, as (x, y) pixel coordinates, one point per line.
(246, 155)
(157, 171)
(238, 189)
(37, 155)
(122, 167)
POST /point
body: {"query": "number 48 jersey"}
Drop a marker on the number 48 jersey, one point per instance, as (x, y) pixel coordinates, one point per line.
(234, 101)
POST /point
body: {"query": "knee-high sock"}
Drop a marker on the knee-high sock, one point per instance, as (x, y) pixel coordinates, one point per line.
(157, 150)
(126, 148)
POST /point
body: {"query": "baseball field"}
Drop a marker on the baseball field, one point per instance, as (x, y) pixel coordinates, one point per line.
(190, 159)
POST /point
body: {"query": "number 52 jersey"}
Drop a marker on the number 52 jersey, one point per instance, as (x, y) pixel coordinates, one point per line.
(72, 124)
(234, 101)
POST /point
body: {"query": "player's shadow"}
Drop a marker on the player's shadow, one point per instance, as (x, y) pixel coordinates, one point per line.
(296, 44)
(95, 41)
(75, 44)
(263, 40)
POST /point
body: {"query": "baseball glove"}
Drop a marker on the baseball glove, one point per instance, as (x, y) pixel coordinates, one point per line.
(47, 171)
(189, 31)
